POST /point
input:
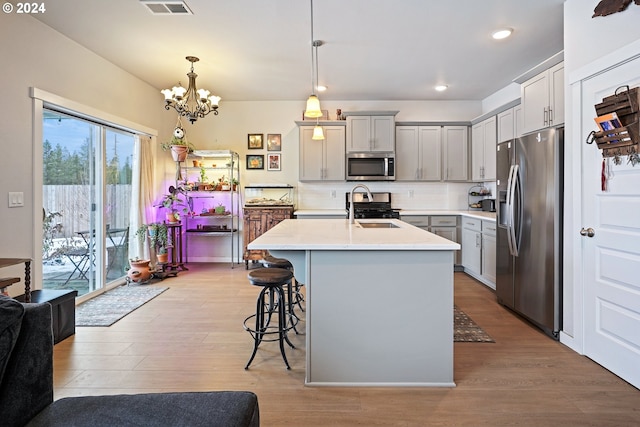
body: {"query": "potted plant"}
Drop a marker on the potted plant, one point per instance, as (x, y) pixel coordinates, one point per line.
(175, 203)
(234, 183)
(159, 239)
(203, 175)
(178, 145)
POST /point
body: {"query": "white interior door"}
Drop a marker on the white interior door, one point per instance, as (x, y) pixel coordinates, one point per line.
(611, 256)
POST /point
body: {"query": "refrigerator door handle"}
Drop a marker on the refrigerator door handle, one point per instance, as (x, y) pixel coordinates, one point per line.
(511, 193)
(509, 213)
(516, 191)
(517, 220)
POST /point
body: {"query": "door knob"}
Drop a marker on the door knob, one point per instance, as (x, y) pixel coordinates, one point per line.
(589, 232)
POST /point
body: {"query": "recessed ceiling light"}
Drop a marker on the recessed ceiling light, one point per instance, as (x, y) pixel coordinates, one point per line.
(502, 33)
(441, 88)
(321, 88)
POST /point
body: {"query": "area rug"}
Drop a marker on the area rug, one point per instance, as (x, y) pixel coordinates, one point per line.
(108, 308)
(466, 330)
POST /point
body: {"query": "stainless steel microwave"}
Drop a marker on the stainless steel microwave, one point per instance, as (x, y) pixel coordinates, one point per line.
(371, 166)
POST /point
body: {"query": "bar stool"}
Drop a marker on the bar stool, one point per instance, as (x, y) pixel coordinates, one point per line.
(271, 301)
(294, 294)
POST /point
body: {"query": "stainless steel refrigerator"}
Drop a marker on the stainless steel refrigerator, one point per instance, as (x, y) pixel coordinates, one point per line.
(529, 235)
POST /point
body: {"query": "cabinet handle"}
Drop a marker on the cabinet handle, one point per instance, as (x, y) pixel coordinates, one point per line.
(550, 116)
(545, 120)
(477, 240)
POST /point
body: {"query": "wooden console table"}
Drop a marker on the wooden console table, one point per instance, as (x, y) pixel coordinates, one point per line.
(7, 262)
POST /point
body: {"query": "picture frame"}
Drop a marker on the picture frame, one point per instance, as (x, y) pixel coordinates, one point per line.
(274, 162)
(274, 142)
(255, 141)
(255, 161)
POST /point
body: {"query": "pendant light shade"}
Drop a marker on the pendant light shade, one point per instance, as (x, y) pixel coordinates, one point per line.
(318, 133)
(313, 107)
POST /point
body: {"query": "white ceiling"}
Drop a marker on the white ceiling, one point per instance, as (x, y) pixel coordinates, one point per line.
(374, 49)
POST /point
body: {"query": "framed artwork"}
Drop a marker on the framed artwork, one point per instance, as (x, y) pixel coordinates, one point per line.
(255, 161)
(274, 142)
(273, 162)
(254, 141)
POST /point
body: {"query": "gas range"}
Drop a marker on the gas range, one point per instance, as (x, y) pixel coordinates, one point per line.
(379, 207)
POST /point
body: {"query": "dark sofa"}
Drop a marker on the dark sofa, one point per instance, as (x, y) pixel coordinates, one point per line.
(26, 387)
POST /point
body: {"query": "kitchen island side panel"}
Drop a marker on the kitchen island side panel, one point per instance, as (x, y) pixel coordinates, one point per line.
(380, 318)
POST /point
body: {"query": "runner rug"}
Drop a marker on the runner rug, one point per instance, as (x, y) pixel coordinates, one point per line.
(466, 330)
(108, 308)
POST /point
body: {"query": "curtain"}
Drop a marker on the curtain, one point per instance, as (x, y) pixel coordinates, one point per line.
(141, 195)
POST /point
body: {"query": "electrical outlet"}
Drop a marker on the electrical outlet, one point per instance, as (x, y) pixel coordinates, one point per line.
(410, 194)
(333, 194)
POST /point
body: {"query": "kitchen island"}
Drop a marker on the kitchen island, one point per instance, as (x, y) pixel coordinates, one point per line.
(379, 300)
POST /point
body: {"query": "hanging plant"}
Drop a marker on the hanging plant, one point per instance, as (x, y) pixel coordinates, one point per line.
(178, 144)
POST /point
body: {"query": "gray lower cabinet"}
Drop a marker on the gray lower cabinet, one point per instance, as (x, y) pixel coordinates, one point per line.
(442, 225)
(471, 245)
(479, 250)
(489, 252)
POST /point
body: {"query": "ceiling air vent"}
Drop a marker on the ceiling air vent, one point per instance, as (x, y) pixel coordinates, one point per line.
(167, 7)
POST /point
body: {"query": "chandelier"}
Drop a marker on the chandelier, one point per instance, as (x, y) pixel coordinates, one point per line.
(192, 103)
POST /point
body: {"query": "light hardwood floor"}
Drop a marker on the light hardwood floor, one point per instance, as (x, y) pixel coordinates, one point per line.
(191, 338)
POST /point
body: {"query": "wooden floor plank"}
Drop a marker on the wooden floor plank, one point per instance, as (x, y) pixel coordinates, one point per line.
(191, 338)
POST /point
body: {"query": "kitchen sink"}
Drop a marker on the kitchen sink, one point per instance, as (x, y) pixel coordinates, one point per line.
(377, 225)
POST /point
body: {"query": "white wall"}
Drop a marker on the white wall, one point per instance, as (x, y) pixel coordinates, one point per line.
(33, 55)
(587, 39)
(501, 97)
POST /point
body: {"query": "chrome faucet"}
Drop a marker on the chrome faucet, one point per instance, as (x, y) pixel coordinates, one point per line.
(351, 220)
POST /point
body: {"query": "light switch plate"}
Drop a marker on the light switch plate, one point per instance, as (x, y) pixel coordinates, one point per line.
(16, 199)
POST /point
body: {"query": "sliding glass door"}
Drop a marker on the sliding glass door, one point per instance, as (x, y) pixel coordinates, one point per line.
(86, 199)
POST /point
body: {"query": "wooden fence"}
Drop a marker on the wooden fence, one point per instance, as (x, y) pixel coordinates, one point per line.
(73, 202)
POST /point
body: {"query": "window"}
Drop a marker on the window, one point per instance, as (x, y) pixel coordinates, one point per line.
(87, 187)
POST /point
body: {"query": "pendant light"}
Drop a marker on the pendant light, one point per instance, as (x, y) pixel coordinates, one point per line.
(313, 103)
(318, 132)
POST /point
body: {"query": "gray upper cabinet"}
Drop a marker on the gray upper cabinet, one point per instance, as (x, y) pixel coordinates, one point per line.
(370, 133)
(455, 153)
(543, 99)
(506, 125)
(322, 160)
(418, 153)
(432, 153)
(510, 124)
(483, 150)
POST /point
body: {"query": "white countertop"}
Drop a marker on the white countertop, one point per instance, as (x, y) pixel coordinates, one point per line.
(489, 216)
(338, 234)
